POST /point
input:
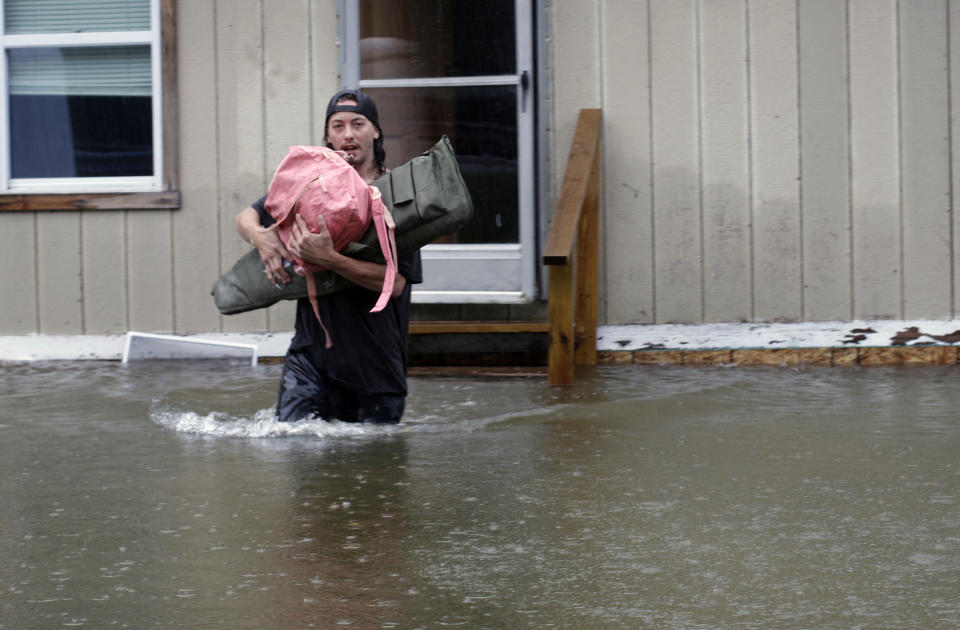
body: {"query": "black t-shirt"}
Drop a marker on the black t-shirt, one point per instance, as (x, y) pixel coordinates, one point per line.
(369, 353)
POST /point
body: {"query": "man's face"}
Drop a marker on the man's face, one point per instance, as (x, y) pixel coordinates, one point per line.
(353, 134)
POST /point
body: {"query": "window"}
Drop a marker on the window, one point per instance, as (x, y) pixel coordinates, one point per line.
(465, 70)
(85, 119)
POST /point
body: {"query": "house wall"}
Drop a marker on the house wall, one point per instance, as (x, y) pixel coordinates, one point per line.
(763, 160)
(254, 77)
(767, 159)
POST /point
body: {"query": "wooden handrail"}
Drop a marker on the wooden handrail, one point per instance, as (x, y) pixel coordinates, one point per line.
(575, 222)
(573, 191)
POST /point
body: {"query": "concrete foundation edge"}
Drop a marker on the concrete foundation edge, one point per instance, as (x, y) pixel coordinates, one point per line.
(862, 343)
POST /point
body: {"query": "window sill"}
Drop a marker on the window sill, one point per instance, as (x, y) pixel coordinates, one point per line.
(169, 200)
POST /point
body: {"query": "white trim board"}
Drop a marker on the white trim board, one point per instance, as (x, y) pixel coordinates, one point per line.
(110, 347)
(609, 338)
(866, 333)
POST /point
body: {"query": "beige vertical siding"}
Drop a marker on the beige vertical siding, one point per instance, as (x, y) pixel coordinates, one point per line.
(58, 276)
(953, 25)
(242, 166)
(875, 158)
(149, 261)
(775, 121)
(575, 71)
(725, 161)
(675, 144)
(796, 164)
(18, 274)
(196, 225)
(925, 159)
(628, 228)
(824, 159)
(103, 243)
(253, 77)
(763, 160)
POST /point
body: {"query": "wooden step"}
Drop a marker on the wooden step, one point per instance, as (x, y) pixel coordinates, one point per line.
(477, 326)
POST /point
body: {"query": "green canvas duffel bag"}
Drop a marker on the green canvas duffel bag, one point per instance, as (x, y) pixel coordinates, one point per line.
(427, 198)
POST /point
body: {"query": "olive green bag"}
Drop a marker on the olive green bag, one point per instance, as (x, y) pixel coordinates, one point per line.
(427, 198)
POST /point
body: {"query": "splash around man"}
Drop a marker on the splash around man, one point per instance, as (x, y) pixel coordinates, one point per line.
(363, 376)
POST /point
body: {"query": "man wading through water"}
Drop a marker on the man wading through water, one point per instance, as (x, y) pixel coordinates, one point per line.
(363, 376)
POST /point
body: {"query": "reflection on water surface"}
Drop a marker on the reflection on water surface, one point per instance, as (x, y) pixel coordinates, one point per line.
(165, 495)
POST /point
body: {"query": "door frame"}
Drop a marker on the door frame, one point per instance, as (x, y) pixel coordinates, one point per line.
(511, 271)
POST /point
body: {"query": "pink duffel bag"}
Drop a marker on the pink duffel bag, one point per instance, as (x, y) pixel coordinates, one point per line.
(315, 181)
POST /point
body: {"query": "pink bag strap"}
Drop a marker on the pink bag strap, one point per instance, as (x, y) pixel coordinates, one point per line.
(312, 295)
(385, 226)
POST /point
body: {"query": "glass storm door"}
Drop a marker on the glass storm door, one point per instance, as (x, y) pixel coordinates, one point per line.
(463, 69)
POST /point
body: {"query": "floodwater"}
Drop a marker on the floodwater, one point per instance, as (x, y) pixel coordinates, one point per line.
(164, 495)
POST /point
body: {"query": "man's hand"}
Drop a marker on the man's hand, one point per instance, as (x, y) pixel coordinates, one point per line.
(313, 247)
(268, 244)
(272, 253)
(317, 248)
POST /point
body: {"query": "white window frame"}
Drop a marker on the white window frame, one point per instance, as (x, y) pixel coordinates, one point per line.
(159, 181)
(475, 273)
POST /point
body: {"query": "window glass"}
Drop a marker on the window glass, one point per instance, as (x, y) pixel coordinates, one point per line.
(89, 70)
(436, 38)
(80, 112)
(481, 122)
(75, 16)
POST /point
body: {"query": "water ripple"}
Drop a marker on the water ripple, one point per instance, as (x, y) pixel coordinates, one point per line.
(264, 424)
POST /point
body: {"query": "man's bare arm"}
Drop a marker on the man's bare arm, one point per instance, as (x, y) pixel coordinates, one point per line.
(267, 241)
(317, 248)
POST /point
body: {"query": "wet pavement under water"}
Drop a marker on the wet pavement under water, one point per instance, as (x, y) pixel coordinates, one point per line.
(164, 495)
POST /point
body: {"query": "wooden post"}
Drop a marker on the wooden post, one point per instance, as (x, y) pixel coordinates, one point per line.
(560, 358)
(588, 245)
(575, 221)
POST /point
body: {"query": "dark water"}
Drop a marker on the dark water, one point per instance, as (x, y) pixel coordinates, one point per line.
(164, 495)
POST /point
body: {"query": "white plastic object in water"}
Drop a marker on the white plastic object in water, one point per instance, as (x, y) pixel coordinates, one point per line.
(153, 346)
